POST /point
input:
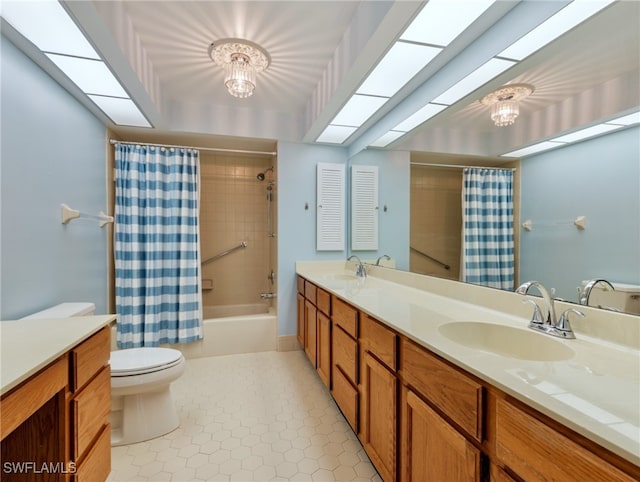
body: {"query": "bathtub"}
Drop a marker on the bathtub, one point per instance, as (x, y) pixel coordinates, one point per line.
(231, 329)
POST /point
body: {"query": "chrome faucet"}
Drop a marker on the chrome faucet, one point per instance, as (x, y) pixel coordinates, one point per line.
(384, 256)
(361, 271)
(548, 323)
(586, 293)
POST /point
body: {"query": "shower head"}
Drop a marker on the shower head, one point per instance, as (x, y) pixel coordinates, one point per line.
(260, 175)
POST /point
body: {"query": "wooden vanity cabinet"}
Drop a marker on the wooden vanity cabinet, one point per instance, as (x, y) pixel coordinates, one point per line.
(379, 401)
(60, 417)
(345, 373)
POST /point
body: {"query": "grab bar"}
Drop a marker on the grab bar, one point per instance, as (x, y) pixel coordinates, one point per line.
(243, 244)
(444, 265)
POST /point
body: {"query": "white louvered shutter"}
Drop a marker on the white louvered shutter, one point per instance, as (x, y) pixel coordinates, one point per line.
(364, 208)
(330, 216)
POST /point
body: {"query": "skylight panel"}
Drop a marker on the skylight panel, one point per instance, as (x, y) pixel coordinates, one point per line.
(587, 132)
(92, 76)
(399, 65)
(539, 147)
(474, 80)
(427, 112)
(626, 120)
(387, 138)
(336, 134)
(441, 21)
(358, 109)
(121, 111)
(573, 14)
(47, 25)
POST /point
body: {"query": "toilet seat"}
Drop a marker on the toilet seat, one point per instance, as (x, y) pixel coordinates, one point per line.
(140, 361)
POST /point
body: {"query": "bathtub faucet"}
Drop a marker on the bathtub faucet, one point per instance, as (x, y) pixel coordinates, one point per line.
(267, 296)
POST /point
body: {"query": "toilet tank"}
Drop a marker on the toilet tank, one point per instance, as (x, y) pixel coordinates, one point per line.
(625, 297)
(64, 310)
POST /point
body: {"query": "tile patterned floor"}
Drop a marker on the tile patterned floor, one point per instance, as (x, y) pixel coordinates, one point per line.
(254, 417)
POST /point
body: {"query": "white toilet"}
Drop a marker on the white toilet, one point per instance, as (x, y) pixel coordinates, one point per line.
(141, 404)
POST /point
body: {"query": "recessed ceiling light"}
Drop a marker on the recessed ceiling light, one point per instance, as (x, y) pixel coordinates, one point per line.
(47, 25)
(358, 109)
(587, 132)
(427, 112)
(573, 14)
(387, 138)
(121, 111)
(540, 146)
(626, 120)
(336, 134)
(475, 79)
(441, 21)
(92, 76)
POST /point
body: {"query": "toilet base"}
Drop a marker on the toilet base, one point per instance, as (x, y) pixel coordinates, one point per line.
(138, 417)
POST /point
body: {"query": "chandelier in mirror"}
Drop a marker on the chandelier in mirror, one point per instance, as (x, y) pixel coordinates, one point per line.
(241, 60)
(504, 103)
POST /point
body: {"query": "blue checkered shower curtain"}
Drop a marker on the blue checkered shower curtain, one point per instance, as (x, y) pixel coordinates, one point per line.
(157, 246)
(487, 227)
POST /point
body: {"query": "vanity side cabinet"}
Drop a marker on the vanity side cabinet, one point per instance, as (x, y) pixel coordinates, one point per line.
(431, 449)
(344, 360)
(310, 331)
(379, 401)
(323, 300)
(90, 406)
(301, 321)
(535, 451)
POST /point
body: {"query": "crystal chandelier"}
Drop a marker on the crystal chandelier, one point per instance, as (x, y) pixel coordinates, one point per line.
(241, 60)
(504, 103)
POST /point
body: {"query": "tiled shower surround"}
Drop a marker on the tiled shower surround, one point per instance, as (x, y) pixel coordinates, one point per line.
(234, 209)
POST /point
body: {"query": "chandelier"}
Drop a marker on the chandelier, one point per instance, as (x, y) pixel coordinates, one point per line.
(241, 60)
(504, 103)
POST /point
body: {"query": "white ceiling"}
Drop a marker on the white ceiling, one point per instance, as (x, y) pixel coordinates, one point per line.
(321, 51)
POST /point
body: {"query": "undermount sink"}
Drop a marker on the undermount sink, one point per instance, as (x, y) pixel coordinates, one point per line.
(506, 341)
(340, 277)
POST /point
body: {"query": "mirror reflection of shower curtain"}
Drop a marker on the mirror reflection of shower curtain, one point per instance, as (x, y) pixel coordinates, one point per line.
(487, 228)
(270, 230)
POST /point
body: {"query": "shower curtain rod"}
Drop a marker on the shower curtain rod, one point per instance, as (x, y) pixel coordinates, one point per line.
(215, 149)
(459, 167)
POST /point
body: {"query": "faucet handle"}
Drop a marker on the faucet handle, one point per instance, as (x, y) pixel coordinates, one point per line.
(537, 314)
(563, 322)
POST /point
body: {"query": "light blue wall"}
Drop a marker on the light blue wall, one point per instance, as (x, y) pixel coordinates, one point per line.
(599, 179)
(394, 172)
(53, 152)
(297, 226)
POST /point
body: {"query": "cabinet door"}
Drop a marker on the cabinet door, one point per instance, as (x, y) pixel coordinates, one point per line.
(324, 348)
(301, 322)
(310, 342)
(431, 449)
(379, 404)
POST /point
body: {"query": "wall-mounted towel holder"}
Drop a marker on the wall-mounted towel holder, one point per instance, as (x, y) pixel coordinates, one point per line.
(580, 223)
(68, 214)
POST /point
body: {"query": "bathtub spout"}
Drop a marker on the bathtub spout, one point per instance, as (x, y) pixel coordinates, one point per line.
(267, 296)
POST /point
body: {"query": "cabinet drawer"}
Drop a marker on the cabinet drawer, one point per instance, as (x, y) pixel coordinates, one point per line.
(537, 452)
(379, 340)
(97, 465)
(90, 409)
(310, 291)
(301, 285)
(345, 353)
(346, 396)
(457, 395)
(89, 357)
(346, 316)
(323, 301)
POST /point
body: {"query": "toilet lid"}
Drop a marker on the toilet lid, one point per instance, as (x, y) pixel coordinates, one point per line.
(134, 361)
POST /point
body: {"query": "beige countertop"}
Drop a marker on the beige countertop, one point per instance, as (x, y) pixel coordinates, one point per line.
(595, 391)
(29, 345)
